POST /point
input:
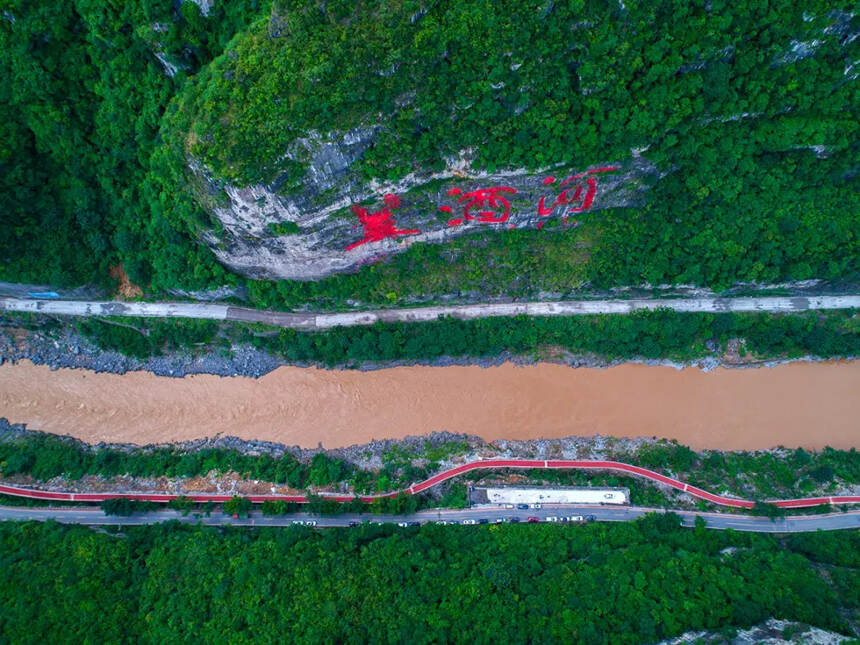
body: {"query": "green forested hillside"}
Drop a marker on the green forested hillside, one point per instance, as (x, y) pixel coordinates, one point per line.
(627, 583)
(81, 105)
(749, 111)
(729, 99)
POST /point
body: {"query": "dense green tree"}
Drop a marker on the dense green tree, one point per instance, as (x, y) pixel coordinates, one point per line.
(599, 583)
(238, 506)
(747, 111)
(81, 108)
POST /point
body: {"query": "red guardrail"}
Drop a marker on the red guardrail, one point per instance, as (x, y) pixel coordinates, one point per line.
(618, 466)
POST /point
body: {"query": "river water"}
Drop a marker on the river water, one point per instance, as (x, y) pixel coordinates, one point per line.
(797, 404)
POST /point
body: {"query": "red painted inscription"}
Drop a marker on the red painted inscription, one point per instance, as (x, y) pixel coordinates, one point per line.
(577, 195)
(379, 225)
(488, 205)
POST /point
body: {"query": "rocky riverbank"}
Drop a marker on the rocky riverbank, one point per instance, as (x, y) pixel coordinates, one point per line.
(373, 454)
(63, 347)
(436, 451)
(412, 458)
(442, 450)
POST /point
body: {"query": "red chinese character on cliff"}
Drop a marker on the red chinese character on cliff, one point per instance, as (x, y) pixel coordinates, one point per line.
(577, 195)
(379, 225)
(487, 205)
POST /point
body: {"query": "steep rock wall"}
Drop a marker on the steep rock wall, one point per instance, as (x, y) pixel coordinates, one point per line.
(331, 221)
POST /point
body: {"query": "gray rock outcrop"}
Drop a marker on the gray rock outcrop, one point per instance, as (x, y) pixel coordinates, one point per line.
(304, 226)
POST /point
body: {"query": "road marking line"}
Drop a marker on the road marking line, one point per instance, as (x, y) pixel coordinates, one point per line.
(421, 486)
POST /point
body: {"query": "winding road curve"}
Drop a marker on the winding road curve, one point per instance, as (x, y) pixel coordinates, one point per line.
(316, 322)
(414, 489)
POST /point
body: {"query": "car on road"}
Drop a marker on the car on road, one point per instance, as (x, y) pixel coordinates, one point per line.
(590, 518)
(499, 520)
(483, 520)
(414, 523)
(441, 522)
(353, 523)
(522, 506)
(553, 518)
(509, 505)
(402, 525)
(469, 522)
(532, 520)
(537, 505)
(514, 520)
(311, 523)
(574, 518)
(297, 522)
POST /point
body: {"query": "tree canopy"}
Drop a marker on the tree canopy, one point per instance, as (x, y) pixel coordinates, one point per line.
(749, 111)
(600, 583)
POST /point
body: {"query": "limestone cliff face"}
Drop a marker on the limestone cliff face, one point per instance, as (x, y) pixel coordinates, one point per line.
(332, 221)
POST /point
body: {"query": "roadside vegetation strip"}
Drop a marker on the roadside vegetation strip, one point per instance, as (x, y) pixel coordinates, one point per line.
(441, 477)
(311, 321)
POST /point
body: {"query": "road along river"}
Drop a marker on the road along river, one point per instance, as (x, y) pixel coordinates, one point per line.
(316, 322)
(798, 404)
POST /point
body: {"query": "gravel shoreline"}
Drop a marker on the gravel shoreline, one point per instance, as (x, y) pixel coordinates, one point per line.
(369, 455)
(366, 456)
(65, 348)
(363, 455)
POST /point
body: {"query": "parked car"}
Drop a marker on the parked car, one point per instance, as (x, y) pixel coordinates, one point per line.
(470, 522)
(509, 505)
(297, 522)
(499, 520)
(574, 518)
(311, 523)
(402, 525)
(353, 523)
(514, 520)
(441, 522)
(414, 523)
(537, 506)
(483, 521)
(522, 506)
(532, 520)
(590, 518)
(552, 518)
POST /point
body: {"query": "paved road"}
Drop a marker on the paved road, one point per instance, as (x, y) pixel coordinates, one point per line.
(310, 321)
(414, 489)
(96, 517)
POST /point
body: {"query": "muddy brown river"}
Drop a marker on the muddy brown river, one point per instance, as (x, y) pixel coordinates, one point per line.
(799, 404)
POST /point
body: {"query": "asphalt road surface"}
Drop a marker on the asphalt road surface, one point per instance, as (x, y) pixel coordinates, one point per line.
(96, 517)
(311, 321)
